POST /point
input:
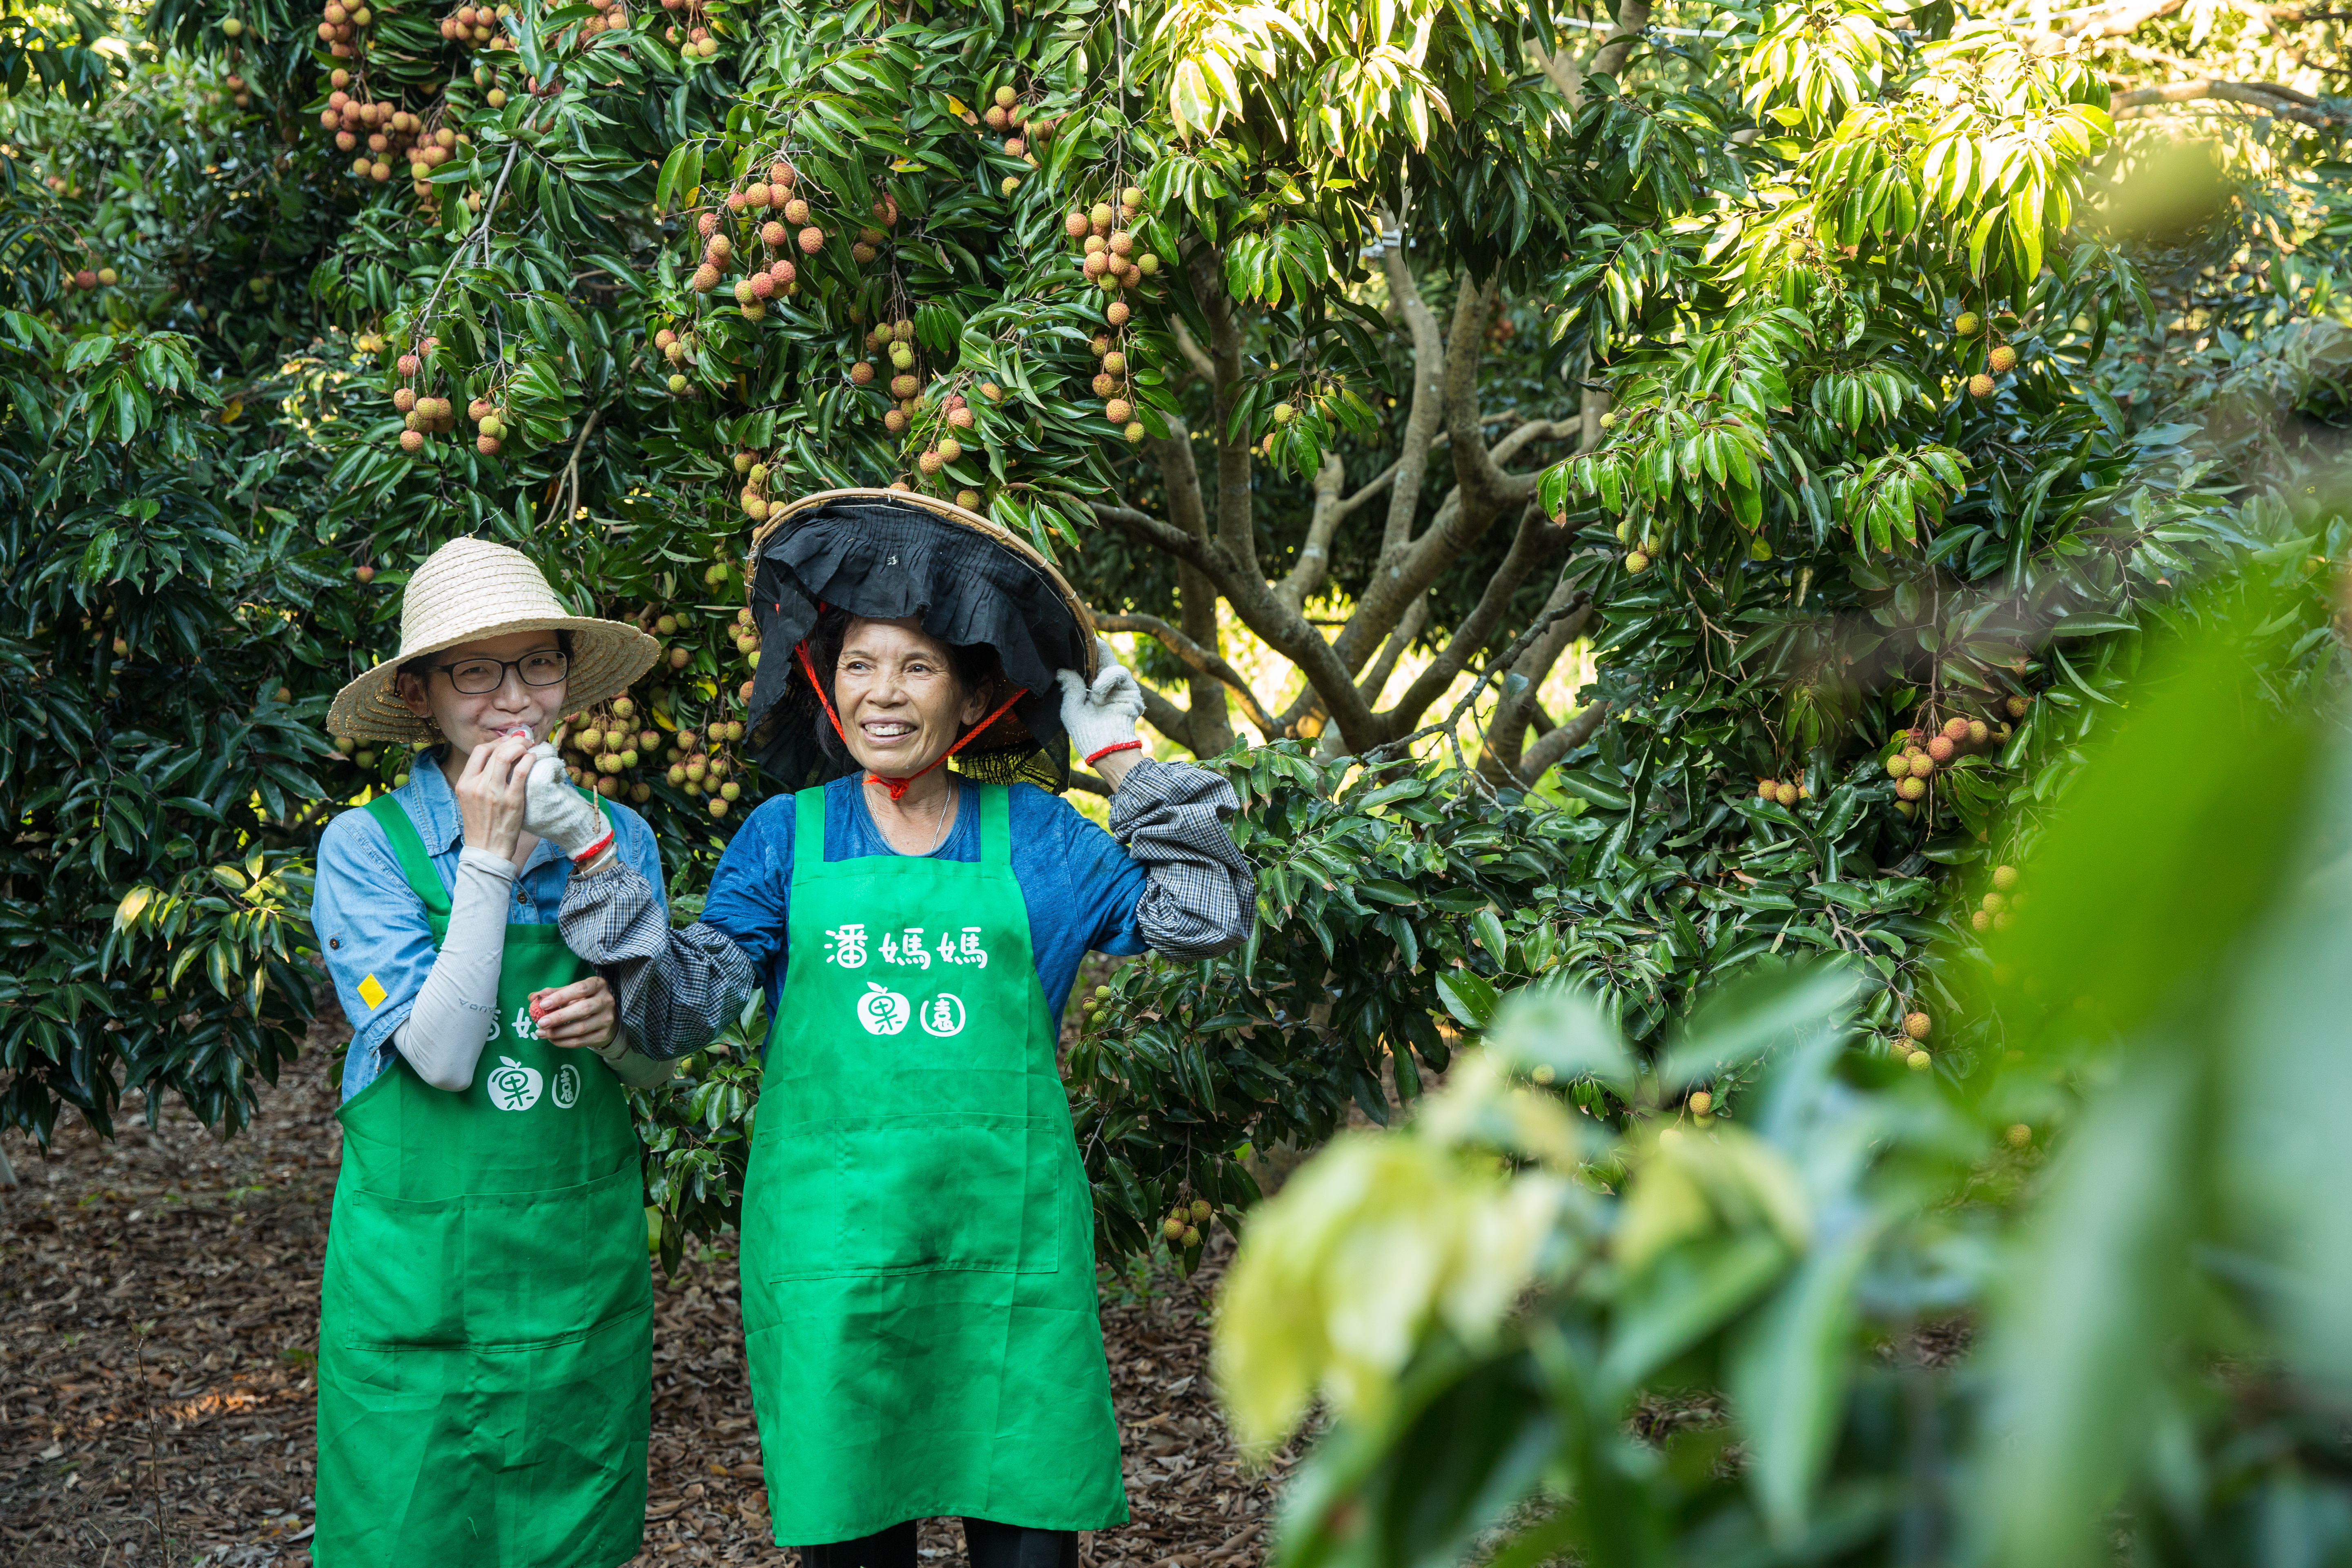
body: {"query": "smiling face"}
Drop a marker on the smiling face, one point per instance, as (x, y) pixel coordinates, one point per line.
(468, 719)
(901, 703)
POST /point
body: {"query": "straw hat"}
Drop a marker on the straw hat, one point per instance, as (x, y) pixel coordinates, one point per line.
(469, 590)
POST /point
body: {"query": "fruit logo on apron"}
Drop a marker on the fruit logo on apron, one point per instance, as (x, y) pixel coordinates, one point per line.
(512, 1086)
(881, 1010)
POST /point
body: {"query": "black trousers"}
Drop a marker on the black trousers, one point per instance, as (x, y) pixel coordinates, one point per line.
(991, 1545)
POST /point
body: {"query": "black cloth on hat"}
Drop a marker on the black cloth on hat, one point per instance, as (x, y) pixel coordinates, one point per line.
(885, 560)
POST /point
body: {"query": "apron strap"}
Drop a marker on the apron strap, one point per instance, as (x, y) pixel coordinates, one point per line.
(408, 848)
(995, 826)
(808, 831)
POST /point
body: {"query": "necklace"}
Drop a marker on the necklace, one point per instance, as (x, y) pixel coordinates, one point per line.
(947, 803)
(940, 833)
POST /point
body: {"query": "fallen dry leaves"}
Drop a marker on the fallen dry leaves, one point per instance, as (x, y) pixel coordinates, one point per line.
(160, 1300)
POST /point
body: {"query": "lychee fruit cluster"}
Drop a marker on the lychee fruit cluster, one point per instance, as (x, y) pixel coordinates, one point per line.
(612, 16)
(483, 26)
(339, 27)
(894, 341)
(1783, 792)
(747, 637)
(946, 446)
(239, 92)
(695, 42)
(754, 496)
(1997, 909)
(381, 134)
(1999, 360)
(1114, 385)
(491, 426)
(601, 745)
(1182, 1228)
(1910, 1042)
(766, 216)
(678, 353)
(1108, 253)
(1924, 750)
(701, 774)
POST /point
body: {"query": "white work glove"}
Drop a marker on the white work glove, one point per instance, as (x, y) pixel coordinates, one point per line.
(557, 812)
(1101, 717)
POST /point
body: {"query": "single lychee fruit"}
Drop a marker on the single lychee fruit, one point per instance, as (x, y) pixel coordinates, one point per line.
(1191, 1237)
(861, 373)
(811, 240)
(2019, 1135)
(1981, 386)
(1637, 561)
(1118, 410)
(1700, 1102)
(774, 235)
(1955, 729)
(1916, 1025)
(968, 500)
(412, 441)
(2002, 360)
(1117, 313)
(1786, 794)
(2004, 878)
(1173, 1227)
(1899, 765)
(1911, 788)
(1767, 789)
(1968, 323)
(1920, 1061)
(1979, 920)
(2017, 706)
(1978, 733)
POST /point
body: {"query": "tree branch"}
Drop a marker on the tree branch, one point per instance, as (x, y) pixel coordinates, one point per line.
(1426, 412)
(2284, 102)
(2124, 19)
(1535, 539)
(1202, 658)
(1551, 748)
(1314, 563)
(1507, 731)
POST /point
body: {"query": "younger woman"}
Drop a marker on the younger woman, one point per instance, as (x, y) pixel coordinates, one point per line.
(485, 1328)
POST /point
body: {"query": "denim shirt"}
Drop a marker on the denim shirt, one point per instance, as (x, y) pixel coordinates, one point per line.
(371, 926)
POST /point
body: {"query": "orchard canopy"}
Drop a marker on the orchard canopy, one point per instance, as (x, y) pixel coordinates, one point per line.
(1631, 496)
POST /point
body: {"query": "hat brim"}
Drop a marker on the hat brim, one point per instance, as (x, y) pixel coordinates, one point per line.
(607, 659)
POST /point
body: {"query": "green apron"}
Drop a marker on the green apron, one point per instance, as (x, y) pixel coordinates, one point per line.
(485, 1322)
(918, 1269)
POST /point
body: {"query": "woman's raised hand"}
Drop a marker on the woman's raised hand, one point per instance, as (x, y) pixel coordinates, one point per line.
(491, 794)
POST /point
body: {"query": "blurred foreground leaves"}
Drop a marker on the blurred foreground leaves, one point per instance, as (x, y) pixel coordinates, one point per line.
(1685, 1329)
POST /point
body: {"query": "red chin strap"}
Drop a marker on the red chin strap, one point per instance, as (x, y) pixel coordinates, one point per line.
(898, 787)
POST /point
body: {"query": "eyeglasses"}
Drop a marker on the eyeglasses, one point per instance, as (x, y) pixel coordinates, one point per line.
(481, 677)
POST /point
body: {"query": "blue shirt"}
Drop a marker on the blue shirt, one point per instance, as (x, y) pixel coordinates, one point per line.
(370, 924)
(1080, 886)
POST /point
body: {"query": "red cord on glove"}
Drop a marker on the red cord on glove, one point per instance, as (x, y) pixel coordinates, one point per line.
(1114, 746)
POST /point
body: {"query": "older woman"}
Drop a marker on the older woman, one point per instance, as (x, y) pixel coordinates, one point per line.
(485, 1325)
(917, 1258)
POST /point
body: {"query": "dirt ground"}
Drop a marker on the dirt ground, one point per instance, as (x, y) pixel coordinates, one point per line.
(159, 1328)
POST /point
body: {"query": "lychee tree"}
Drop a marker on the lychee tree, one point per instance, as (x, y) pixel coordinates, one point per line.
(1421, 339)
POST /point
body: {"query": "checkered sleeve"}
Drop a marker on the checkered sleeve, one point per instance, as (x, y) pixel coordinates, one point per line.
(677, 989)
(1170, 817)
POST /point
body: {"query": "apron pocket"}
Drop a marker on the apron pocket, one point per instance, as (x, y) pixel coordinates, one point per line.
(554, 1265)
(908, 1194)
(394, 1270)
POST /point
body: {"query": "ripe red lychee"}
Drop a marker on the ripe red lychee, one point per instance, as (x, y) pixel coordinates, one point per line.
(1955, 729)
(1981, 386)
(811, 240)
(1940, 749)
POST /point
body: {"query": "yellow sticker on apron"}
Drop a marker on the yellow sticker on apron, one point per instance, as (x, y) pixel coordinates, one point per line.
(371, 993)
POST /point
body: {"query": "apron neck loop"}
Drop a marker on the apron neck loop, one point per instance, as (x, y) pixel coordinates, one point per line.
(899, 787)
